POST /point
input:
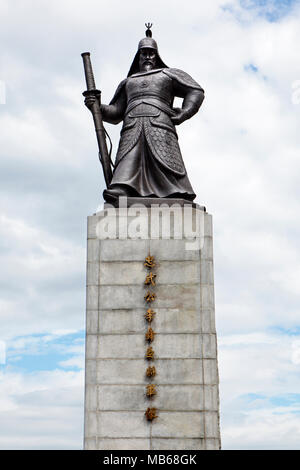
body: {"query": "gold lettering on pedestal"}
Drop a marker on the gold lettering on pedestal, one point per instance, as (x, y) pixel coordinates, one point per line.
(150, 296)
(149, 335)
(151, 414)
(149, 353)
(150, 279)
(149, 262)
(151, 390)
(149, 315)
(151, 371)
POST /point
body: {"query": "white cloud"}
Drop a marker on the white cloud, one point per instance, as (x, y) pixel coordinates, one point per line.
(39, 269)
(2, 352)
(76, 361)
(259, 372)
(42, 410)
(263, 430)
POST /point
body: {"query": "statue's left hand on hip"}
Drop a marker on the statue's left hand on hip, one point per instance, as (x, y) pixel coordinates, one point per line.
(179, 116)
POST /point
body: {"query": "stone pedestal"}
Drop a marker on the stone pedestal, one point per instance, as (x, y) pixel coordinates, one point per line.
(187, 399)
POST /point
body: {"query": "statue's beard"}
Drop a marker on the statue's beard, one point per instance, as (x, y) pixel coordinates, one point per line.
(148, 66)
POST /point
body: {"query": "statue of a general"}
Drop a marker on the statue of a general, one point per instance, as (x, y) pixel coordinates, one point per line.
(148, 161)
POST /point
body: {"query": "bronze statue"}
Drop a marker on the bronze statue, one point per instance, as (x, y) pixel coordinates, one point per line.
(148, 162)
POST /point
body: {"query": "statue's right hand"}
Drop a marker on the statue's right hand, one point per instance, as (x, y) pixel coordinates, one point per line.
(89, 101)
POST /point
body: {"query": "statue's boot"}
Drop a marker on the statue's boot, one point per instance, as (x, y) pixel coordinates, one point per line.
(112, 194)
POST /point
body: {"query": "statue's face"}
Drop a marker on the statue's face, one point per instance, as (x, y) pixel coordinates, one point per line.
(147, 60)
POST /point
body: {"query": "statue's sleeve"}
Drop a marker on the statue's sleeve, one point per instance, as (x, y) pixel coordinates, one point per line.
(184, 86)
(115, 111)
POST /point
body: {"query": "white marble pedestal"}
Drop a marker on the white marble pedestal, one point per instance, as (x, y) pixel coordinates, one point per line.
(187, 399)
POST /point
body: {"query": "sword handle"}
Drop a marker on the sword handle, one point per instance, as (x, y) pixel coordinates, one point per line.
(88, 71)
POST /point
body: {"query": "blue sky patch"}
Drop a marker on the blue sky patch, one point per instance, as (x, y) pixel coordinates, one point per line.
(271, 10)
(263, 401)
(293, 331)
(291, 399)
(251, 68)
(45, 351)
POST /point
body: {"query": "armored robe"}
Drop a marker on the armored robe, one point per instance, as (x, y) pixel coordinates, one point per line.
(148, 161)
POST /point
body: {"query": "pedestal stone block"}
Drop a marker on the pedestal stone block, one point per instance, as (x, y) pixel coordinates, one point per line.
(185, 347)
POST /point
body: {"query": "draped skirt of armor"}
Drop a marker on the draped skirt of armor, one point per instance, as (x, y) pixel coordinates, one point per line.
(145, 176)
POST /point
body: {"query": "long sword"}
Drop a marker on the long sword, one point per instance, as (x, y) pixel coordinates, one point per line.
(97, 116)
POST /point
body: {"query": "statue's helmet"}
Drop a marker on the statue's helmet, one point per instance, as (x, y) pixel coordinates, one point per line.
(146, 43)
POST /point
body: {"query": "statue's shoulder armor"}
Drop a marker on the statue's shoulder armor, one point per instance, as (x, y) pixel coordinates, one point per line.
(118, 91)
(182, 77)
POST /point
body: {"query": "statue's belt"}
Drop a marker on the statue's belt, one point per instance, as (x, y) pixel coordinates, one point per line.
(149, 103)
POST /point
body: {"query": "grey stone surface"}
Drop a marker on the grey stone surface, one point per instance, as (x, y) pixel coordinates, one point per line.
(181, 296)
(209, 346)
(125, 398)
(208, 300)
(124, 250)
(122, 424)
(179, 398)
(92, 221)
(172, 250)
(169, 371)
(90, 444)
(211, 398)
(179, 424)
(210, 371)
(179, 371)
(121, 371)
(122, 273)
(118, 321)
(178, 272)
(207, 250)
(91, 397)
(129, 346)
(211, 423)
(90, 371)
(208, 226)
(207, 272)
(92, 322)
(178, 346)
(121, 346)
(90, 424)
(133, 398)
(208, 321)
(93, 251)
(123, 444)
(92, 294)
(134, 273)
(177, 321)
(212, 444)
(178, 444)
(91, 347)
(171, 320)
(92, 278)
(185, 342)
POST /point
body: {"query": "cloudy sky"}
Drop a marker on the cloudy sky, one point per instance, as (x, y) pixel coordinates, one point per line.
(242, 155)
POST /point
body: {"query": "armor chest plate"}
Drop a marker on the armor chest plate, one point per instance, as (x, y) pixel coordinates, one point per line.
(157, 85)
